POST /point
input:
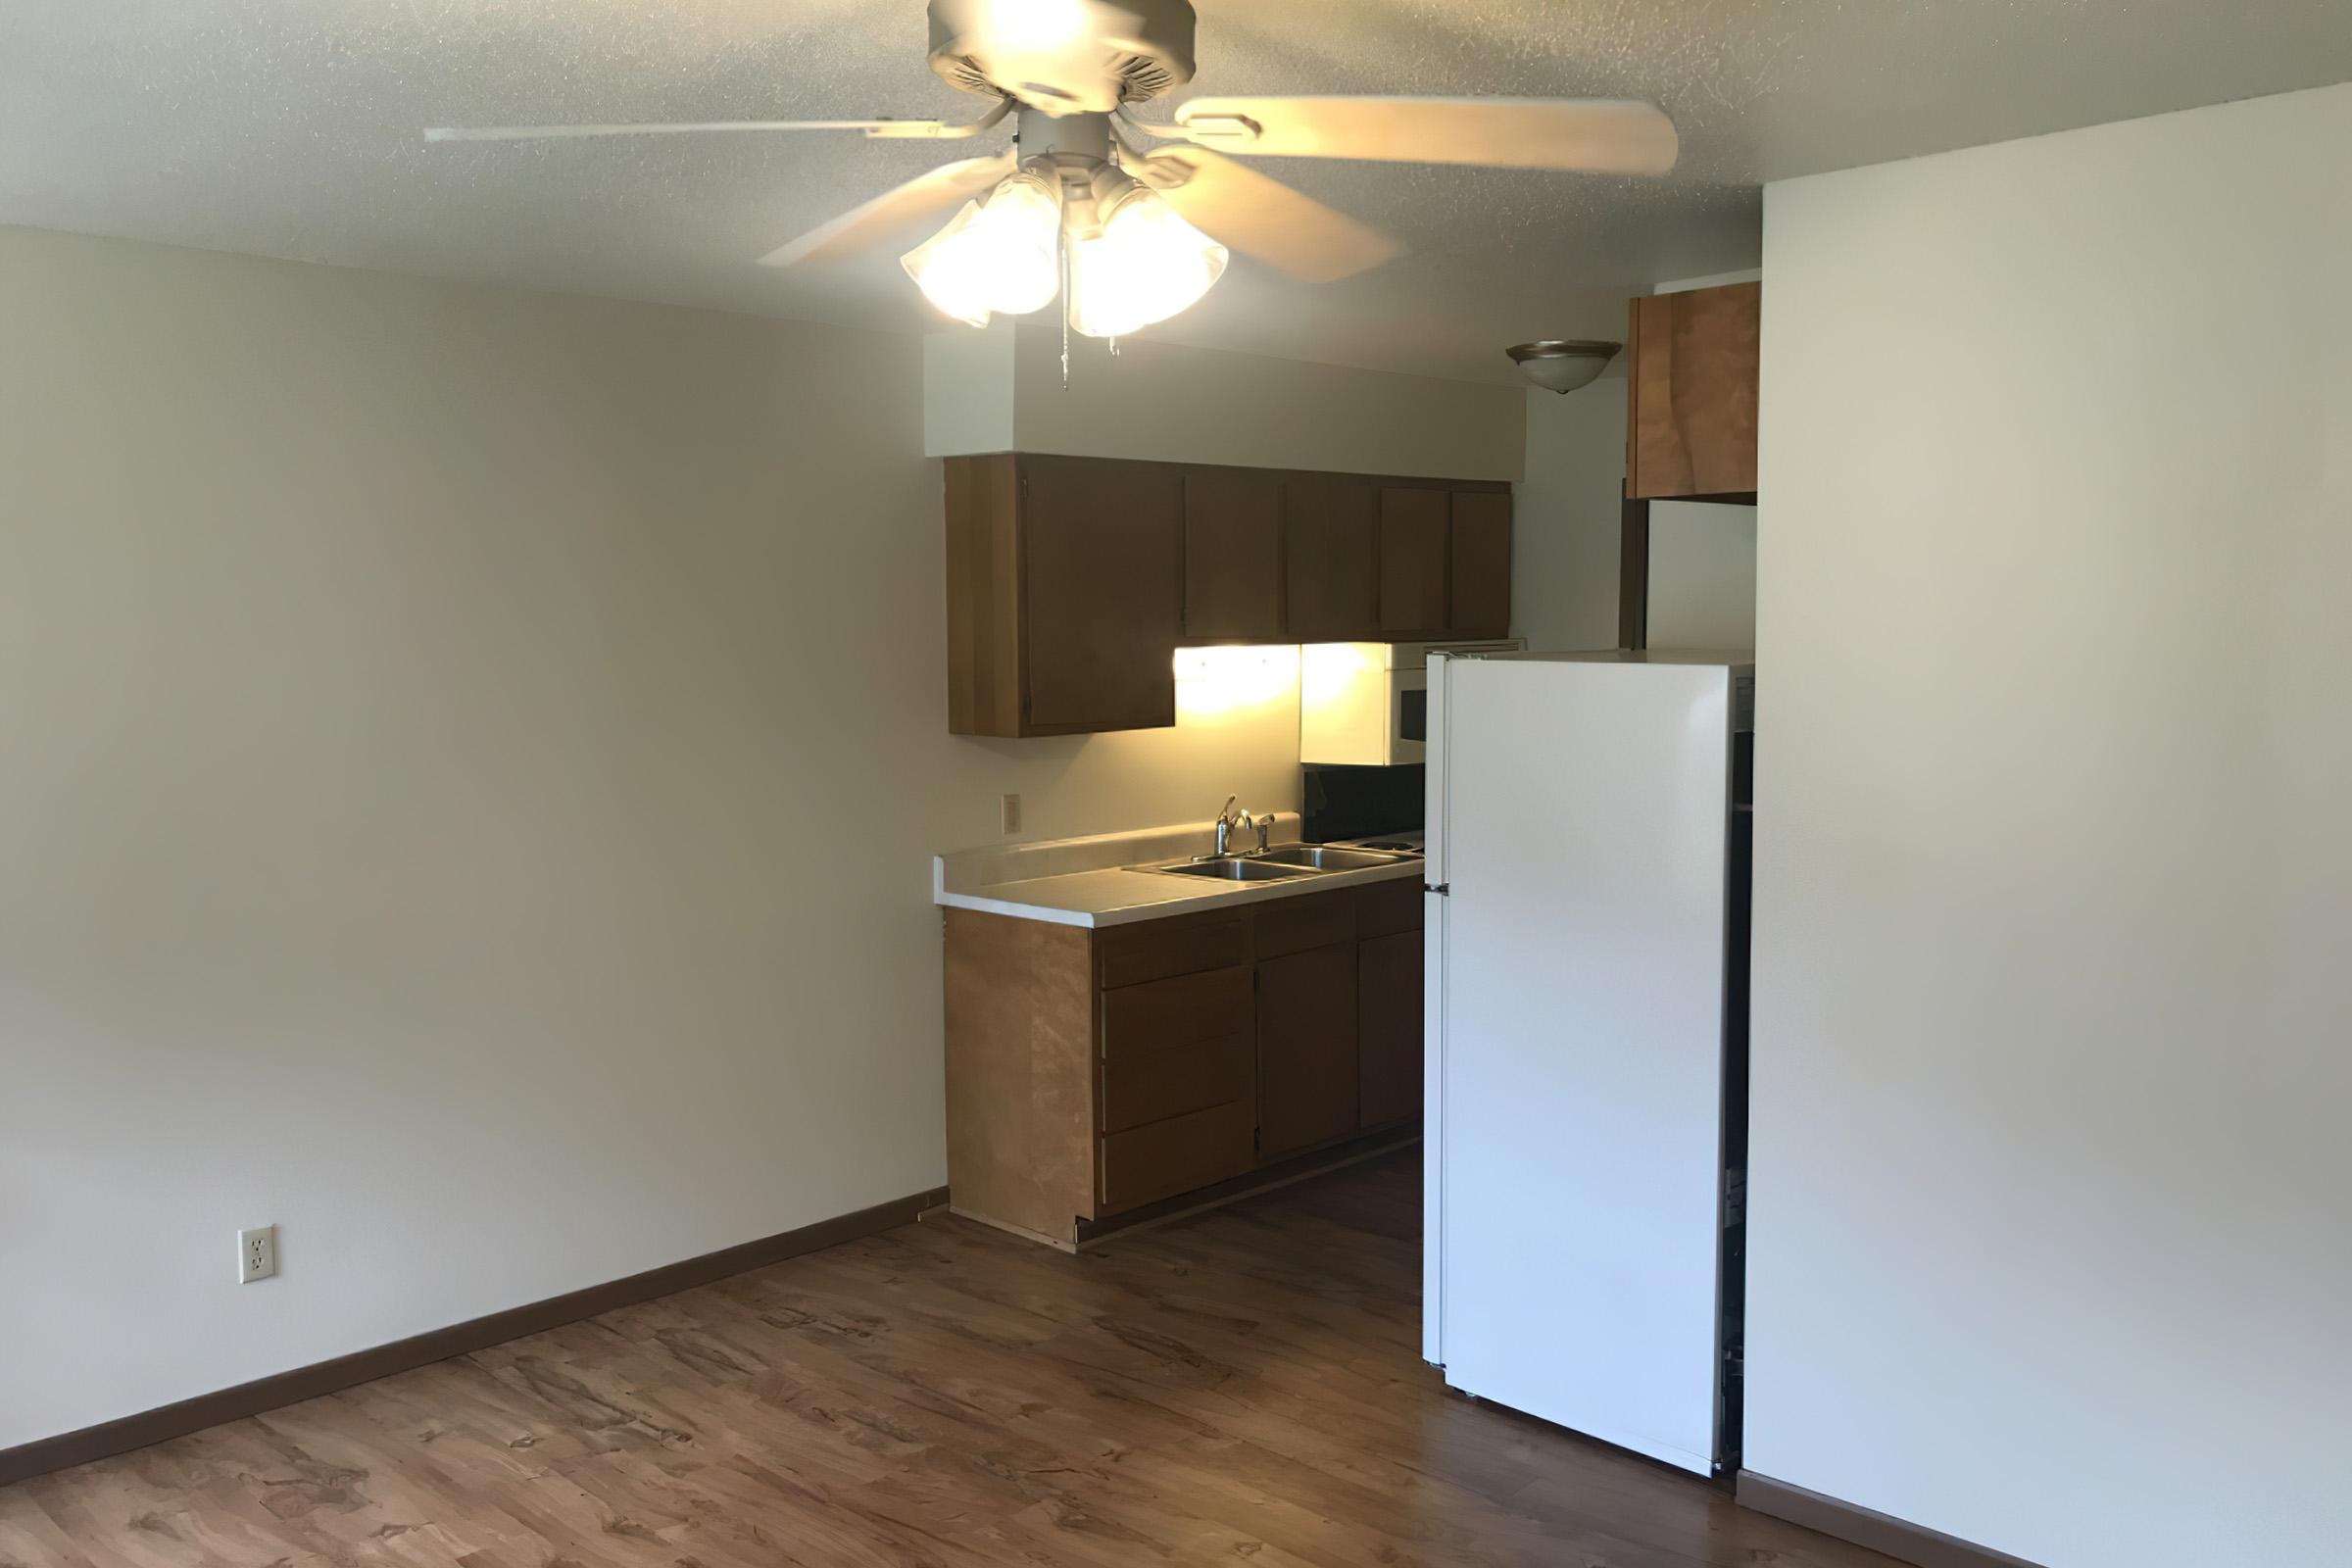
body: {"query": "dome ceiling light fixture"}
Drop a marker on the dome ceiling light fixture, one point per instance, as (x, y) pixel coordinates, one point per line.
(1128, 220)
(1563, 364)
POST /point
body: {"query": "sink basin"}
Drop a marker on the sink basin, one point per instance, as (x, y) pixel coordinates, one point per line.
(1232, 869)
(1325, 857)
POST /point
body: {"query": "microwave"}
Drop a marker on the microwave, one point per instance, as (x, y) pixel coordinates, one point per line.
(1366, 705)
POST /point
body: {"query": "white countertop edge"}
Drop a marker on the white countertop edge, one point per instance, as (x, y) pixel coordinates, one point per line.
(1186, 902)
(1019, 911)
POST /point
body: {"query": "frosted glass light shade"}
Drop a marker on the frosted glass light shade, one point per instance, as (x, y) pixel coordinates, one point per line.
(998, 259)
(1562, 365)
(1146, 266)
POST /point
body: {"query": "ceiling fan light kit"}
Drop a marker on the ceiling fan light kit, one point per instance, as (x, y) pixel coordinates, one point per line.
(1563, 364)
(1003, 257)
(1130, 220)
(1145, 266)
(1070, 210)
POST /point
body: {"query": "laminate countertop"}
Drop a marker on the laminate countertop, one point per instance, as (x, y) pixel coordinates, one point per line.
(1092, 882)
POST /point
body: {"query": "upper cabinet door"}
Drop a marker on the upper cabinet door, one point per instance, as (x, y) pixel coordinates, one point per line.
(1412, 561)
(1233, 555)
(1481, 590)
(1331, 531)
(1103, 552)
(1692, 426)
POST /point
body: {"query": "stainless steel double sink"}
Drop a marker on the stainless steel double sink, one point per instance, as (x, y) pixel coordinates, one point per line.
(1283, 862)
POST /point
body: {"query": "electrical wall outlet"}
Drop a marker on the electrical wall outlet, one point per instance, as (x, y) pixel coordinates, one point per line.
(257, 1255)
(1008, 815)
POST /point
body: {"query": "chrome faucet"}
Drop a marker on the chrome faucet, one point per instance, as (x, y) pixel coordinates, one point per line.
(1228, 820)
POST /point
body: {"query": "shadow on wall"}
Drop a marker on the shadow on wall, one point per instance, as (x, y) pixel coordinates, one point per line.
(1235, 733)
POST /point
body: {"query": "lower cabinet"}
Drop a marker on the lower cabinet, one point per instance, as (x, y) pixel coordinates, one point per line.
(1388, 1001)
(1179, 1094)
(1092, 1073)
(1307, 1049)
(1196, 1149)
(1387, 1005)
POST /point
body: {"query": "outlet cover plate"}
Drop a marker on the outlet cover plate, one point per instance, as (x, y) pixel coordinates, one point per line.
(256, 1254)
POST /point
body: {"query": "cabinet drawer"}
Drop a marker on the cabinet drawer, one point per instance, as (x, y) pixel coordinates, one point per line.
(1154, 950)
(1142, 1086)
(1315, 920)
(1171, 1047)
(1178, 1154)
(1387, 907)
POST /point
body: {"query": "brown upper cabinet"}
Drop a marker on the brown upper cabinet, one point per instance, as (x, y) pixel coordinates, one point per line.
(1064, 594)
(1331, 542)
(1691, 429)
(1413, 524)
(1071, 581)
(1232, 528)
(1479, 570)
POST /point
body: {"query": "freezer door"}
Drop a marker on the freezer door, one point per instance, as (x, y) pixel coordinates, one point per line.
(1578, 1045)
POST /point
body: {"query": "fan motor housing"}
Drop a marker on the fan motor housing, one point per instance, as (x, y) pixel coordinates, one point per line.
(1064, 56)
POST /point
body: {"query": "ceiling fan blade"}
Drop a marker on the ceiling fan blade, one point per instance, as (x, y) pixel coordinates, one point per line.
(866, 225)
(1255, 213)
(918, 130)
(1597, 135)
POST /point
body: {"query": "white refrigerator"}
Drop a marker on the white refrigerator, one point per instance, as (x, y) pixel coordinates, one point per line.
(1586, 1119)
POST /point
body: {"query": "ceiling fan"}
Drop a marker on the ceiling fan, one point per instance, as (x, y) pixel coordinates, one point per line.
(1129, 218)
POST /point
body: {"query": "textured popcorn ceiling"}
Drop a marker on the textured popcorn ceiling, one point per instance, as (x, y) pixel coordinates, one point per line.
(288, 127)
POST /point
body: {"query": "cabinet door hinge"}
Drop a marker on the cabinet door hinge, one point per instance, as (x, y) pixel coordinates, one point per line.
(1443, 890)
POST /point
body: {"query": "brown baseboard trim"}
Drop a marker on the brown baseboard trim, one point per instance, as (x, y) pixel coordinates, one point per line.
(1866, 1527)
(45, 1454)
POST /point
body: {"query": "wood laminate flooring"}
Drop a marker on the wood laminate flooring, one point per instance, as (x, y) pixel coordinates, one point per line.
(1238, 1387)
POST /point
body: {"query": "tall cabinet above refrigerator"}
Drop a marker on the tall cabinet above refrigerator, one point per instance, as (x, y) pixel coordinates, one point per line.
(1586, 1039)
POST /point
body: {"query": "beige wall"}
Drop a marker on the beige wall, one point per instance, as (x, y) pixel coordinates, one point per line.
(1702, 574)
(2049, 1240)
(469, 763)
(1568, 513)
(1002, 389)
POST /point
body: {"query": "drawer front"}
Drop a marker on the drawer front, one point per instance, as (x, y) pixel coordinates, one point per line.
(1315, 920)
(1146, 1087)
(1178, 1154)
(1173, 1047)
(1154, 950)
(1387, 907)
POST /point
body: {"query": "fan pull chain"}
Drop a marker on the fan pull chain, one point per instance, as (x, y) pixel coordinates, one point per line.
(1064, 248)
